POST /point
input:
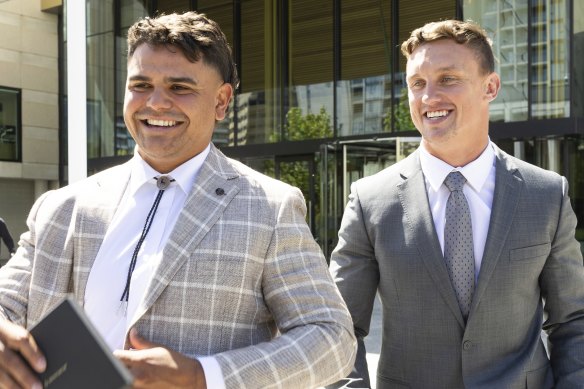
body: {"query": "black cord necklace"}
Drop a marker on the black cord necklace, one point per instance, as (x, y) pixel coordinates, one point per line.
(162, 182)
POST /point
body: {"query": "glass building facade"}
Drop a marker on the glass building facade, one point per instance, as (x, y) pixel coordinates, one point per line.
(323, 102)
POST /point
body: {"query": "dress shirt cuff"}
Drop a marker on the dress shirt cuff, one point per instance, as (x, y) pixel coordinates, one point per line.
(213, 375)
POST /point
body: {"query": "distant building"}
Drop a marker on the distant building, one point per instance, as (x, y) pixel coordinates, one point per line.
(29, 108)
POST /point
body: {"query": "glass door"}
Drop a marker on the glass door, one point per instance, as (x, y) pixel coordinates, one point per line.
(344, 163)
(300, 171)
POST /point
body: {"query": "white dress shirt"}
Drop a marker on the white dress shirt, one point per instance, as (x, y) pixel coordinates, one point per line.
(479, 190)
(108, 274)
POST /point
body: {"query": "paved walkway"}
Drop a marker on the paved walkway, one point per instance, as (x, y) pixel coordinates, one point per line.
(373, 342)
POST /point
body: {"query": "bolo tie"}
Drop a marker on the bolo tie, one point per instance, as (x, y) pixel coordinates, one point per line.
(162, 182)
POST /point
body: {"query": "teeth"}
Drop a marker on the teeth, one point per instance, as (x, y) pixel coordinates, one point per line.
(163, 123)
(436, 114)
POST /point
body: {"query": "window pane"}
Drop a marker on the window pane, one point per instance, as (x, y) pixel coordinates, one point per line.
(578, 52)
(549, 59)
(221, 11)
(364, 91)
(132, 10)
(506, 24)
(309, 93)
(100, 95)
(99, 17)
(9, 124)
(170, 6)
(258, 100)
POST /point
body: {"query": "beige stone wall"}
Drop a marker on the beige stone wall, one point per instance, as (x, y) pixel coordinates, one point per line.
(29, 62)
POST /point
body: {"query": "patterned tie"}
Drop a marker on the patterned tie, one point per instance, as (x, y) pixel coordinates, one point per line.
(458, 246)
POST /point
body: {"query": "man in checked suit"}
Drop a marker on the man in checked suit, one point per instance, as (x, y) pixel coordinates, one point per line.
(528, 269)
(224, 288)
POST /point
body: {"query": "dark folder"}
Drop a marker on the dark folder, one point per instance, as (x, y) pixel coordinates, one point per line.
(77, 357)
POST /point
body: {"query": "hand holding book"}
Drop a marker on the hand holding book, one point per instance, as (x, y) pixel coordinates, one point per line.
(19, 355)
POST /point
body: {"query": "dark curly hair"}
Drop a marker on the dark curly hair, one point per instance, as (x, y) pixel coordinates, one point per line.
(197, 36)
(464, 33)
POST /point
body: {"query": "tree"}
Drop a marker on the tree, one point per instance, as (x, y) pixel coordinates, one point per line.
(309, 126)
(403, 119)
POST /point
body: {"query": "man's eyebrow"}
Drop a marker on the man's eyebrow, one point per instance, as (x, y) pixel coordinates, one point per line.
(443, 69)
(181, 80)
(138, 78)
(448, 68)
(168, 80)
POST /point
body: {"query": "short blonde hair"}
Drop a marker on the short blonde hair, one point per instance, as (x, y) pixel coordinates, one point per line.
(461, 32)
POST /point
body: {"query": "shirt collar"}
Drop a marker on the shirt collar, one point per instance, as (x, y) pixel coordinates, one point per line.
(435, 170)
(184, 175)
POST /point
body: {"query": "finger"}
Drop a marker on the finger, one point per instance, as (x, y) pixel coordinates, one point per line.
(139, 343)
(6, 381)
(15, 372)
(134, 362)
(20, 340)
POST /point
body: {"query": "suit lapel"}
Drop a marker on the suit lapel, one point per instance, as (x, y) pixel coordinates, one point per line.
(508, 186)
(96, 208)
(213, 190)
(414, 200)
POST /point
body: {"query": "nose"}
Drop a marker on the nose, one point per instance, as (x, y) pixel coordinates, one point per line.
(430, 94)
(159, 100)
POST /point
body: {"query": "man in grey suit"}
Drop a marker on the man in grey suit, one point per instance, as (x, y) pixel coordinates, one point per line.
(198, 271)
(527, 269)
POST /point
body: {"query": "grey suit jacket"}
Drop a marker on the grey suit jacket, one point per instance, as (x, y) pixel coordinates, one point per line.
(241, 277)
(532, 266)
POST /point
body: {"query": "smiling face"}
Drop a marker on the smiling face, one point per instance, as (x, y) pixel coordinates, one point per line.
(171, 105)
(449, 96)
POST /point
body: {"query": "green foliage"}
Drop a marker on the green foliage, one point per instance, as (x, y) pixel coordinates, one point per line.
(309, 126)
(297, 173)
(403, 119)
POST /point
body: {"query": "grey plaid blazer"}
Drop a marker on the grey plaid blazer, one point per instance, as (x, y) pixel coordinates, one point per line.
(241, 276)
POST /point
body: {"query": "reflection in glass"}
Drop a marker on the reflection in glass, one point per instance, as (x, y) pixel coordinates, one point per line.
(130, 11)
(100, 95)
(258, 98)
(301, 172)
(170, 6)
(550, 59)
(506, 24)
(310, 69)
(364, 90)
(578, 52)
(220, 11)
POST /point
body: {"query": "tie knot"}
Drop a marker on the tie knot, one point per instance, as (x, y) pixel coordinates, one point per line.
(454, 181)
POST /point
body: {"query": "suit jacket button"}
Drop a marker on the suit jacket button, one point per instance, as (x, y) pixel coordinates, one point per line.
(219, 191)
(467, 345)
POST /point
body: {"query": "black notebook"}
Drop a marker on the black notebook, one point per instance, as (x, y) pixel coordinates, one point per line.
(76, 355)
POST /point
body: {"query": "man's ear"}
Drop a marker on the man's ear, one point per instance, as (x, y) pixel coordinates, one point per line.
(224, 95)
(492, 86)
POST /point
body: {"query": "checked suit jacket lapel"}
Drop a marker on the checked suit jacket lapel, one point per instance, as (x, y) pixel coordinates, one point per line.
(212, 192)
(96, 207)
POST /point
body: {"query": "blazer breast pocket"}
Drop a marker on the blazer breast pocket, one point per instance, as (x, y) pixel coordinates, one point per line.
(530, 252)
